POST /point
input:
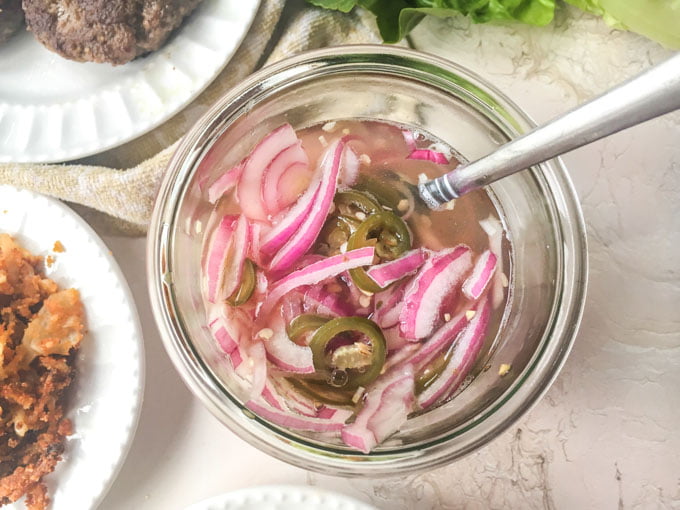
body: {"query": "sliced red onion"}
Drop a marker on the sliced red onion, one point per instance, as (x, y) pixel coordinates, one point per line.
(350, 168)
(292, 421)
(429, 155)
(289, 222)
(334, 414)
(474, 285)
(388, 305)
(286, 354)
(409, 139)
(317, 300)
(400, 356)
(223, 330)
(309, 229)
(393, 339)
(224, 183)
(292, 305)
(434, 284)
(494, 229)
(276, 196)
(249, 191)
(216, 255)
(254, 252)
(389, 272)
(272, 397)
(357, 434)
(317, 272)
(258, 364)
(294, 400)
(236, 257)
(396, 403)
(440, 341)
(261, 282)
(237, 357)
(465, 353)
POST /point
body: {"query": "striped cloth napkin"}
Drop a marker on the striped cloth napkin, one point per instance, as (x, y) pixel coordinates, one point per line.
(115, 190)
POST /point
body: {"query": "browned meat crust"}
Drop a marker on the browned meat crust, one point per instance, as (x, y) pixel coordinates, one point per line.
(113, 31)
(40, 331)
(11, 18)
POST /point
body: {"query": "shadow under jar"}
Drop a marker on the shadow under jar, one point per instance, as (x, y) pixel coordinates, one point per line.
(538, 207)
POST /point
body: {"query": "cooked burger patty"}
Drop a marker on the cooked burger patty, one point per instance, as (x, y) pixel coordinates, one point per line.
(11, 18)
(114, 31)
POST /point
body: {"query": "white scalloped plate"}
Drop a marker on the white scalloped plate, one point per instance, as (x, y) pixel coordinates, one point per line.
(281, 497)
(53, 109)
(107, 397)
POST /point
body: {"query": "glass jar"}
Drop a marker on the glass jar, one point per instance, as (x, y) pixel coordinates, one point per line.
(539, 209)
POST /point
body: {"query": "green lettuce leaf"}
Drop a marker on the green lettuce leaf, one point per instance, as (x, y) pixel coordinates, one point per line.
(396, 18)
(336, 5)
(657, 19)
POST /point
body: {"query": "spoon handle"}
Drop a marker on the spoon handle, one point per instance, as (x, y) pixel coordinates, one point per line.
(648, 95)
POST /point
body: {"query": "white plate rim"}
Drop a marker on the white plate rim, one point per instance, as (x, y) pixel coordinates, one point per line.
(135, 325)
(275, 493)
(23, 120)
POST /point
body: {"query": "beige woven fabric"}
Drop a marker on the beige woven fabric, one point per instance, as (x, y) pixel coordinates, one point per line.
(122, 182)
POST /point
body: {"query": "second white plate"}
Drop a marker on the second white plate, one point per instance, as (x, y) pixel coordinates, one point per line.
(53, 109)
(281, 497)
(106, 399)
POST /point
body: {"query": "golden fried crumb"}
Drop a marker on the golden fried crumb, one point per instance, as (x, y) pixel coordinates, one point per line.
(58, 247)
(49, 260)
(41, 328)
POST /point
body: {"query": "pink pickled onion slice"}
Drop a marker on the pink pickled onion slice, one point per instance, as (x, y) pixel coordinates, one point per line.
(357, 434)
(389, 272)
(272, 397)
(237, 357)
(292, 305)
(334, 414)
(289, 222)
(319, 301)
(224, 331)
(249, 190)
(350, 168)
(436, 282)
(258, 364)
(286, 354)
(291, 159)
(474, 285)
(400, 356)
(465, 353)
(294, 400)
(429, 155)
(309, 229)
(224, 183)
(236, 257)
(254, 251)
(292, 184)
(393, 339)
(388, 305)
(440, 341)
(292, 421)
(217, 253)
(396, 403)
(494, 229)
(409, 139)
(317, 272)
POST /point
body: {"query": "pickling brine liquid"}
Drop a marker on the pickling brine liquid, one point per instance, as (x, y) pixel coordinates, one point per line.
(350, 300)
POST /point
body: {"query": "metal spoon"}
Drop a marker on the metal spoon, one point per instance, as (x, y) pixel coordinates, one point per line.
(648, 95)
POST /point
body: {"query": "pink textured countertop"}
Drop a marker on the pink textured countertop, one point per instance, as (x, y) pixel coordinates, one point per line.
(606, 435)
